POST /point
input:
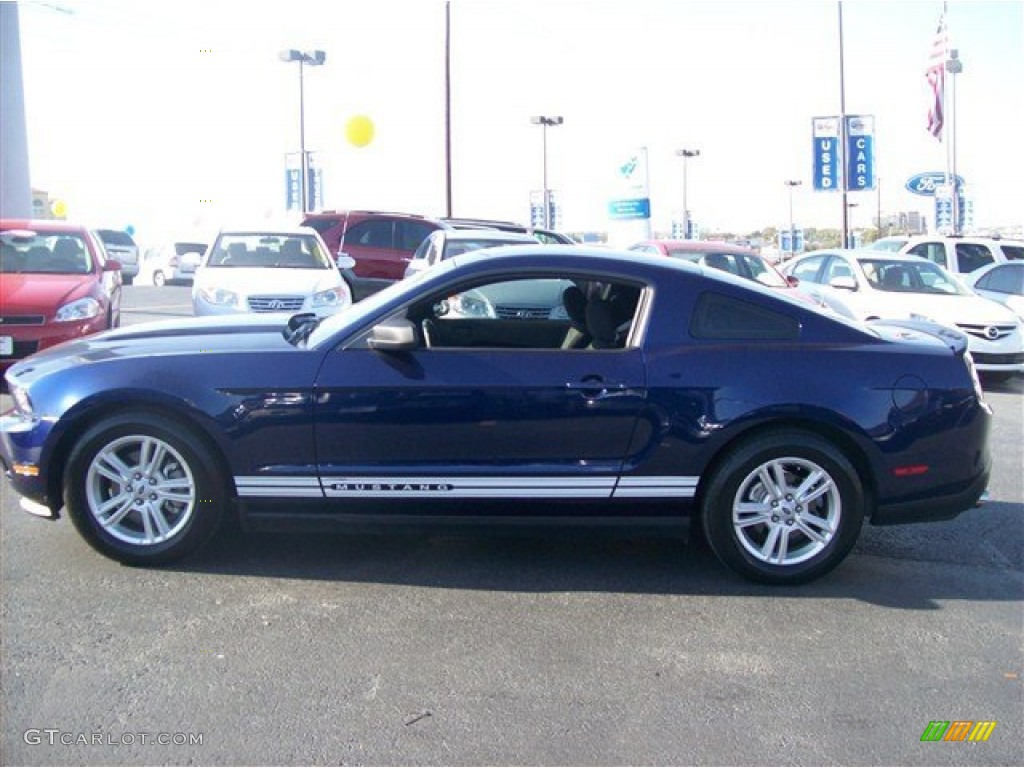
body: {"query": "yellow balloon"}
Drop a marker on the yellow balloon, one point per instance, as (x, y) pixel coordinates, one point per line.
(359, 131)
(59, 208)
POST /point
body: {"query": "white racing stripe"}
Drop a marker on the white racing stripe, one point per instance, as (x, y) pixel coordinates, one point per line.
(468, 487)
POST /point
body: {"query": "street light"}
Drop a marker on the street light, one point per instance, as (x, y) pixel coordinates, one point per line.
(544, 122)
(313, 59)
(686, 154)
(792, 229)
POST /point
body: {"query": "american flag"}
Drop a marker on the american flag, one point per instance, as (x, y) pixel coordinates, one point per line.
(936, 74)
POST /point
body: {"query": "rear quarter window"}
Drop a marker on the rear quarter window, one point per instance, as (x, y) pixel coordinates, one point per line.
(1014, 252)
(726, 318)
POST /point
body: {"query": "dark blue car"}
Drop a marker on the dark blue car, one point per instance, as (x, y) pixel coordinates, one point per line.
(528, 385)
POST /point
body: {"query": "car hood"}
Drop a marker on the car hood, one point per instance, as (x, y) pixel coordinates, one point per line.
(959, 309)
(187, 336)
(35, 294)
(268, 280)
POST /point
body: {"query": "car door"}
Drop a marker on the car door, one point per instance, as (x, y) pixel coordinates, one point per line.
(477, 413)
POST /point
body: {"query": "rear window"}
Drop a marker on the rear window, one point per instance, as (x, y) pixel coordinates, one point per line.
(726, 318)
(115, 237)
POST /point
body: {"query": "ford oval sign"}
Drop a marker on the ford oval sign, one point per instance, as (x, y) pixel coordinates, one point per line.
(925, 183)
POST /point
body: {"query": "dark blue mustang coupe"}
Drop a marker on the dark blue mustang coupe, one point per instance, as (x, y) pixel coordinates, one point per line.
(527, 385)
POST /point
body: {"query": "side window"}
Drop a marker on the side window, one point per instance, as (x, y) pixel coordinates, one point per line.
(972, 256)
(411, 234)
(376, 233)
(935, 252)
(808, 269)
(837, 268)
(1005, 279)
(422, 250)
(723, 261)
(1013, 252)
(723, 317)
(530, 313)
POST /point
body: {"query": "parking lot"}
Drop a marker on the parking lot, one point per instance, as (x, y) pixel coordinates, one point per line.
(271, 649)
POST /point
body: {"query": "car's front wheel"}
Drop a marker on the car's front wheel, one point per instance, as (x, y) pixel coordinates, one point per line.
(159, 279)
(142, 490)
(783, 508)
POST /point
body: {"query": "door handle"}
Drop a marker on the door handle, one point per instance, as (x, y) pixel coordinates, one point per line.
(594, 387)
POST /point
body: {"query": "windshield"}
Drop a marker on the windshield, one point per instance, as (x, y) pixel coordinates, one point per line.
(358, 313)
(911, 277)
(273, 250)
(61, 253)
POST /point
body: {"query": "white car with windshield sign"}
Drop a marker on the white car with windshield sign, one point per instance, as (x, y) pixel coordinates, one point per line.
(269, 271)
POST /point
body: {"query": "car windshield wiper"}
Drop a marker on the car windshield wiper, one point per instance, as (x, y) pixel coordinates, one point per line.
(299, 327)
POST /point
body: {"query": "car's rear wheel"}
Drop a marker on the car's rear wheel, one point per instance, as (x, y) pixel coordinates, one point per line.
(159, 279)
(142, 490)
(783, 508)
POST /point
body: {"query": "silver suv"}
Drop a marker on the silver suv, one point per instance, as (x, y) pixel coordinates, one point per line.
(964, 254)
(120, 246)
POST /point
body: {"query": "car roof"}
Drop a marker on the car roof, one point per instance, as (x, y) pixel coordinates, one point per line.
(864, 253)
(269, 231)
(43, 225)
(702, 246)
(988, 240)
(488, 234)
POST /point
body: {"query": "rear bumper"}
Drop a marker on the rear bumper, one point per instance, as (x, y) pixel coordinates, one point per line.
(945, 507)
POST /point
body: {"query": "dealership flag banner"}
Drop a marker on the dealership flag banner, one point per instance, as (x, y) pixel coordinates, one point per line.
(860, 153)
(826, 154)
(936, 75)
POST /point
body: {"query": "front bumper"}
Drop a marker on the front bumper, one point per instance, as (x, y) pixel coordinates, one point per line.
(21, 447)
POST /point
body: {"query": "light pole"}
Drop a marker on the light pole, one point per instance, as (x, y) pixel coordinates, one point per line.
(848, 242)
(792, 228)
(686, 154)
(313, 59)
(544, 121)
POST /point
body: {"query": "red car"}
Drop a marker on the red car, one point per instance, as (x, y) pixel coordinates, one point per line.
(55, 285)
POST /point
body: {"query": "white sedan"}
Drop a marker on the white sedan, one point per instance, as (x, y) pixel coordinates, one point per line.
(868, 285)
(1002, 282)
(269, 271)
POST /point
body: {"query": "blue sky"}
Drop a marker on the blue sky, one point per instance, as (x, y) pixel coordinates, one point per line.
(169, 116)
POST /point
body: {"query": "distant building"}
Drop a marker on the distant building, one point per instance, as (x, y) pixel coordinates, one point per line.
(904, 222)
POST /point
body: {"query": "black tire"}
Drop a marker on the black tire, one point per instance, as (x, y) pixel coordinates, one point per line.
(156, 480)
(127, 280)
(159, 280)
(807, 534)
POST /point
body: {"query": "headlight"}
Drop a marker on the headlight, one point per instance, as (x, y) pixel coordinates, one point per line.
(471, 306)
(22, 402)
(328, 298)
(219, 296)
(975, 379)
(82, 309)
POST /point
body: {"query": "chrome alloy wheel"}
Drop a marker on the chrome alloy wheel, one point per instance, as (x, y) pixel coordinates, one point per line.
(140, 490)
(786, 511)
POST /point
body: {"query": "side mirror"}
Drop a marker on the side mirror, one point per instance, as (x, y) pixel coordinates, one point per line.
(111, 265)
(394, 335)
(843, 283)
(344, 261)
(793, 281)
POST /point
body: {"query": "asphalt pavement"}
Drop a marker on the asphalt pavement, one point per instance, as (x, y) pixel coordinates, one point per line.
(456, 650)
